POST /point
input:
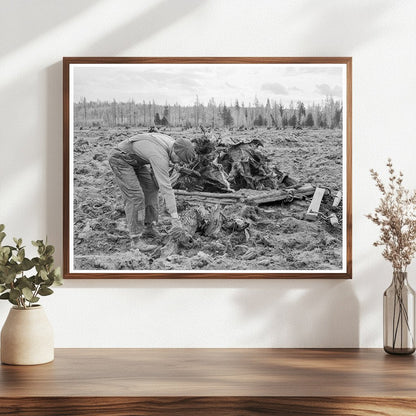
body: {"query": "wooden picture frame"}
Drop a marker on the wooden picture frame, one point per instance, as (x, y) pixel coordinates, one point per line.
(107, 99)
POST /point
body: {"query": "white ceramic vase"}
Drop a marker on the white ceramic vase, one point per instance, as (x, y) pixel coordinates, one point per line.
(27, 337)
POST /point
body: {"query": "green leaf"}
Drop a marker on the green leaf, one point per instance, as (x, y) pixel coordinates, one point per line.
(2, 288)
(49, 282)
(4, 255)
(13, 302)
(43, 274)
(9, 277)
(5, 250)
(58, 276)
(18, 242)
(49, 250)
(2, 236)
(38, 280)
(37, 243)
(48, 260)
(27, 293)
(26, 264)
(24, 282)
(7, 296)
(21, 255)
(2, 227)
(45, 291)
(15, 294)
(13, 267)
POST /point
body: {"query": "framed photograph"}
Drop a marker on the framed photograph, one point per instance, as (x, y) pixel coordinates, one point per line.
(207, 167)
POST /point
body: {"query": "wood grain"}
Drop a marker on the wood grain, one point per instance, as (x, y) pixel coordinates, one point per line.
(67, 61)
(207, 406)
(214, 372)
(212, 381)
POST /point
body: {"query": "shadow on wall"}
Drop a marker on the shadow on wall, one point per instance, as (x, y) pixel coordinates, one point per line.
(54, 145)
(157, 18)
(318, 313)
(44, 17)
(301, 313)
(375, 278)
(347, 26)
(308, 313)
(153, 20)
(39, 15)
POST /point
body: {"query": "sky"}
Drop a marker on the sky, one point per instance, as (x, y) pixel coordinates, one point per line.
(182, 83)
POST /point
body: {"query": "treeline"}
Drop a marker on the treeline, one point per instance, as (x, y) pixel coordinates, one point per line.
(327, 114)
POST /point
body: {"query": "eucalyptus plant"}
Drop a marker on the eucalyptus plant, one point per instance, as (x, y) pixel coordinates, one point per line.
(24, 280)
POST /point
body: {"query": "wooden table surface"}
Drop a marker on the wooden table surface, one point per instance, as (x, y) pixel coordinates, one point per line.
(212, 381)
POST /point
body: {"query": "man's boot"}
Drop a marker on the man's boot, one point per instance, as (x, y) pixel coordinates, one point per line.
(138, 244)
(150, 232)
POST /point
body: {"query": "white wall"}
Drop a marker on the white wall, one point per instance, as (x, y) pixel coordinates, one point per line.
(380, 35)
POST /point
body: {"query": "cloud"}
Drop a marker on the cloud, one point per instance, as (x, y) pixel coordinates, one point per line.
(312, 70)
(275, 88)
(337, 91)
(326, 90)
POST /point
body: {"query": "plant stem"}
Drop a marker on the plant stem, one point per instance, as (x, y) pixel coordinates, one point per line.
(401, 315)
(394, 314)
(36, 291)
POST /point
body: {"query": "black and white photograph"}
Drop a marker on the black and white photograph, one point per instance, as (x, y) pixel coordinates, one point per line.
(209, 169)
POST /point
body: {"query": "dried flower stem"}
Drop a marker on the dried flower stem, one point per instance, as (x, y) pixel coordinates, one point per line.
(396, 217)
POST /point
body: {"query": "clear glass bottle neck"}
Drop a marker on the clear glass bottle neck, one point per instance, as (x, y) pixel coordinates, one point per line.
(400, 276)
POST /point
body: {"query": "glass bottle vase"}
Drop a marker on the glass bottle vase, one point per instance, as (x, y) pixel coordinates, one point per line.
(399, 316)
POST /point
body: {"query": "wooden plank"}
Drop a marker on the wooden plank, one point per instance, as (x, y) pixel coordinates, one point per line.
(199, 201)
(288, 196)
(306, 189)
(281, 194)
(337, 199)
(208, 194)
(260, 197)
(272, 196)
(313, 210)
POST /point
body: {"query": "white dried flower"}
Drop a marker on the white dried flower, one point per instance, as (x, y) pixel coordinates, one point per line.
(396, 217)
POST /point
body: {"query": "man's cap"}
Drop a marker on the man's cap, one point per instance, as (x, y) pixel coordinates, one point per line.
(184, 149)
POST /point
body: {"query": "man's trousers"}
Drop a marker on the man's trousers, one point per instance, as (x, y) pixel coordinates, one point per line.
(139, 189)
